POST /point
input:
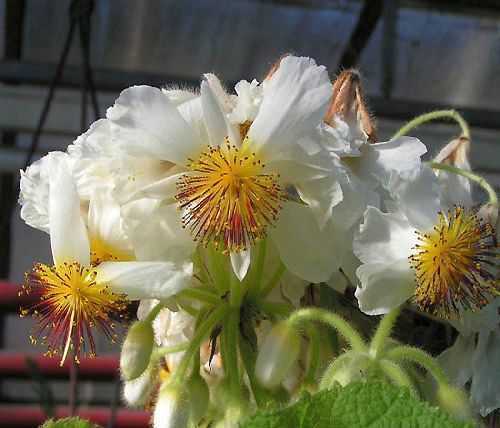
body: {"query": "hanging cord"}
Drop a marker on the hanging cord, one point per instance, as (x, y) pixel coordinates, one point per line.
(80, 12)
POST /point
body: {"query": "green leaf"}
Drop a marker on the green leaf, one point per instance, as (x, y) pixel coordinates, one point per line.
(69, 423)
(358, 405)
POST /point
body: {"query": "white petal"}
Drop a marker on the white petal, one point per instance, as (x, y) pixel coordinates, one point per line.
(155, 231)
(294, 102)
(419, 198)
(479, 321)
(214, 118)
(34, 194)
(147, 123)
(485, 387)
(383, 238)
(384, 286)
(240, 263)
(68, 234)
(400, 157)
(145, 280)
(457, 360)
(105, 222)
(306, 250)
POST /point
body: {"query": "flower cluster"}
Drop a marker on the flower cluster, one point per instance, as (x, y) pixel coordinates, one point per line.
(217, 210)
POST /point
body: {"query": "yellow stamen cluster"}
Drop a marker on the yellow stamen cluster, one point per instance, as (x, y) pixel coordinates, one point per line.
(71, 304)
(227, 198)
(456, 264)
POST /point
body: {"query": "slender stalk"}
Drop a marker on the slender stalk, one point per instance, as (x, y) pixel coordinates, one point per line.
(165, 350)
(333, 320)
(422, 358)
(383, 331)
(314, 356)
(278, 273)
(397, 375)
(230, 359)
(200, 335)
(492, 195)
(153, 313)
(256, 278)
(274, 309)
(435, 115)
(237, 291)
(201, 295)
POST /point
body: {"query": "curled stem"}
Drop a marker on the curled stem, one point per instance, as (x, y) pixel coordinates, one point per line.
(397, 375)
(352, 337)
(422, 358)
(314, 355)
(383, 332)
(435, 115)
(153, 313)
(492, 195)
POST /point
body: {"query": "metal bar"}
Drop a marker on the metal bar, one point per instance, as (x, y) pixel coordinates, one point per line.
(367, 21)
(14, 365)
(389, 51)
(29, 416)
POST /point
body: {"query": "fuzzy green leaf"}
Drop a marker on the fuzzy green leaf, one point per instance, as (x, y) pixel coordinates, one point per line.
(360, 405)
(69, 423)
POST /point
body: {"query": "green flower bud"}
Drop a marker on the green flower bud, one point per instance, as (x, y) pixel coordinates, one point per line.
(454, 401)
(136, 350)
(172, 408)
(198, 396)
(349, 367)
(279, 351)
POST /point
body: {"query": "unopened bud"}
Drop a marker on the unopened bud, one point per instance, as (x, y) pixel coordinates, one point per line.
(454, 401)
(137, 392)
(136, 350)
(172, 408)
(348, 102)
(279, 351)
(455, 153)
(199, 397)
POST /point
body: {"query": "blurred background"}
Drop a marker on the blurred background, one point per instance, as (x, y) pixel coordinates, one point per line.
(415, 56)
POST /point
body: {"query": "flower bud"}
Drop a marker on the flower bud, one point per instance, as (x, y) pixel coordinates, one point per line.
(454, 401)
(138, 391)
(279, 351)
(348, 102)
(172, 408)
(199, 397)
(349, 367)
(136, 350)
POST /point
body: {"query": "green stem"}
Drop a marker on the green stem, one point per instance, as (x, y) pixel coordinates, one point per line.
(492, 195)
(397, 375)
(314, 356)
(201, 295)
(231, 365)
(200, 335)
(153, 313)
(256, 277)
(383, 331)
(219, 269)
(237, 291)
(337, 364)
(422, 358)
(165, 350)
(333, 320)
(278, 273)
(434, 115)
(275, 309)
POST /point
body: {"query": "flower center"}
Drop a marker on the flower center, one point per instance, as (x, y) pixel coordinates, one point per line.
(227, 199)
(455, 264)
(70, 304)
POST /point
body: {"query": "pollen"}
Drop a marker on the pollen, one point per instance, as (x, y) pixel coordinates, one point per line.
(227, 198)
(456, 264)
(71, 304)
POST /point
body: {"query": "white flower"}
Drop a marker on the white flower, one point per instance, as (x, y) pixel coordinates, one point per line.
(231, 180)
(475, 357)
(439, 256)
